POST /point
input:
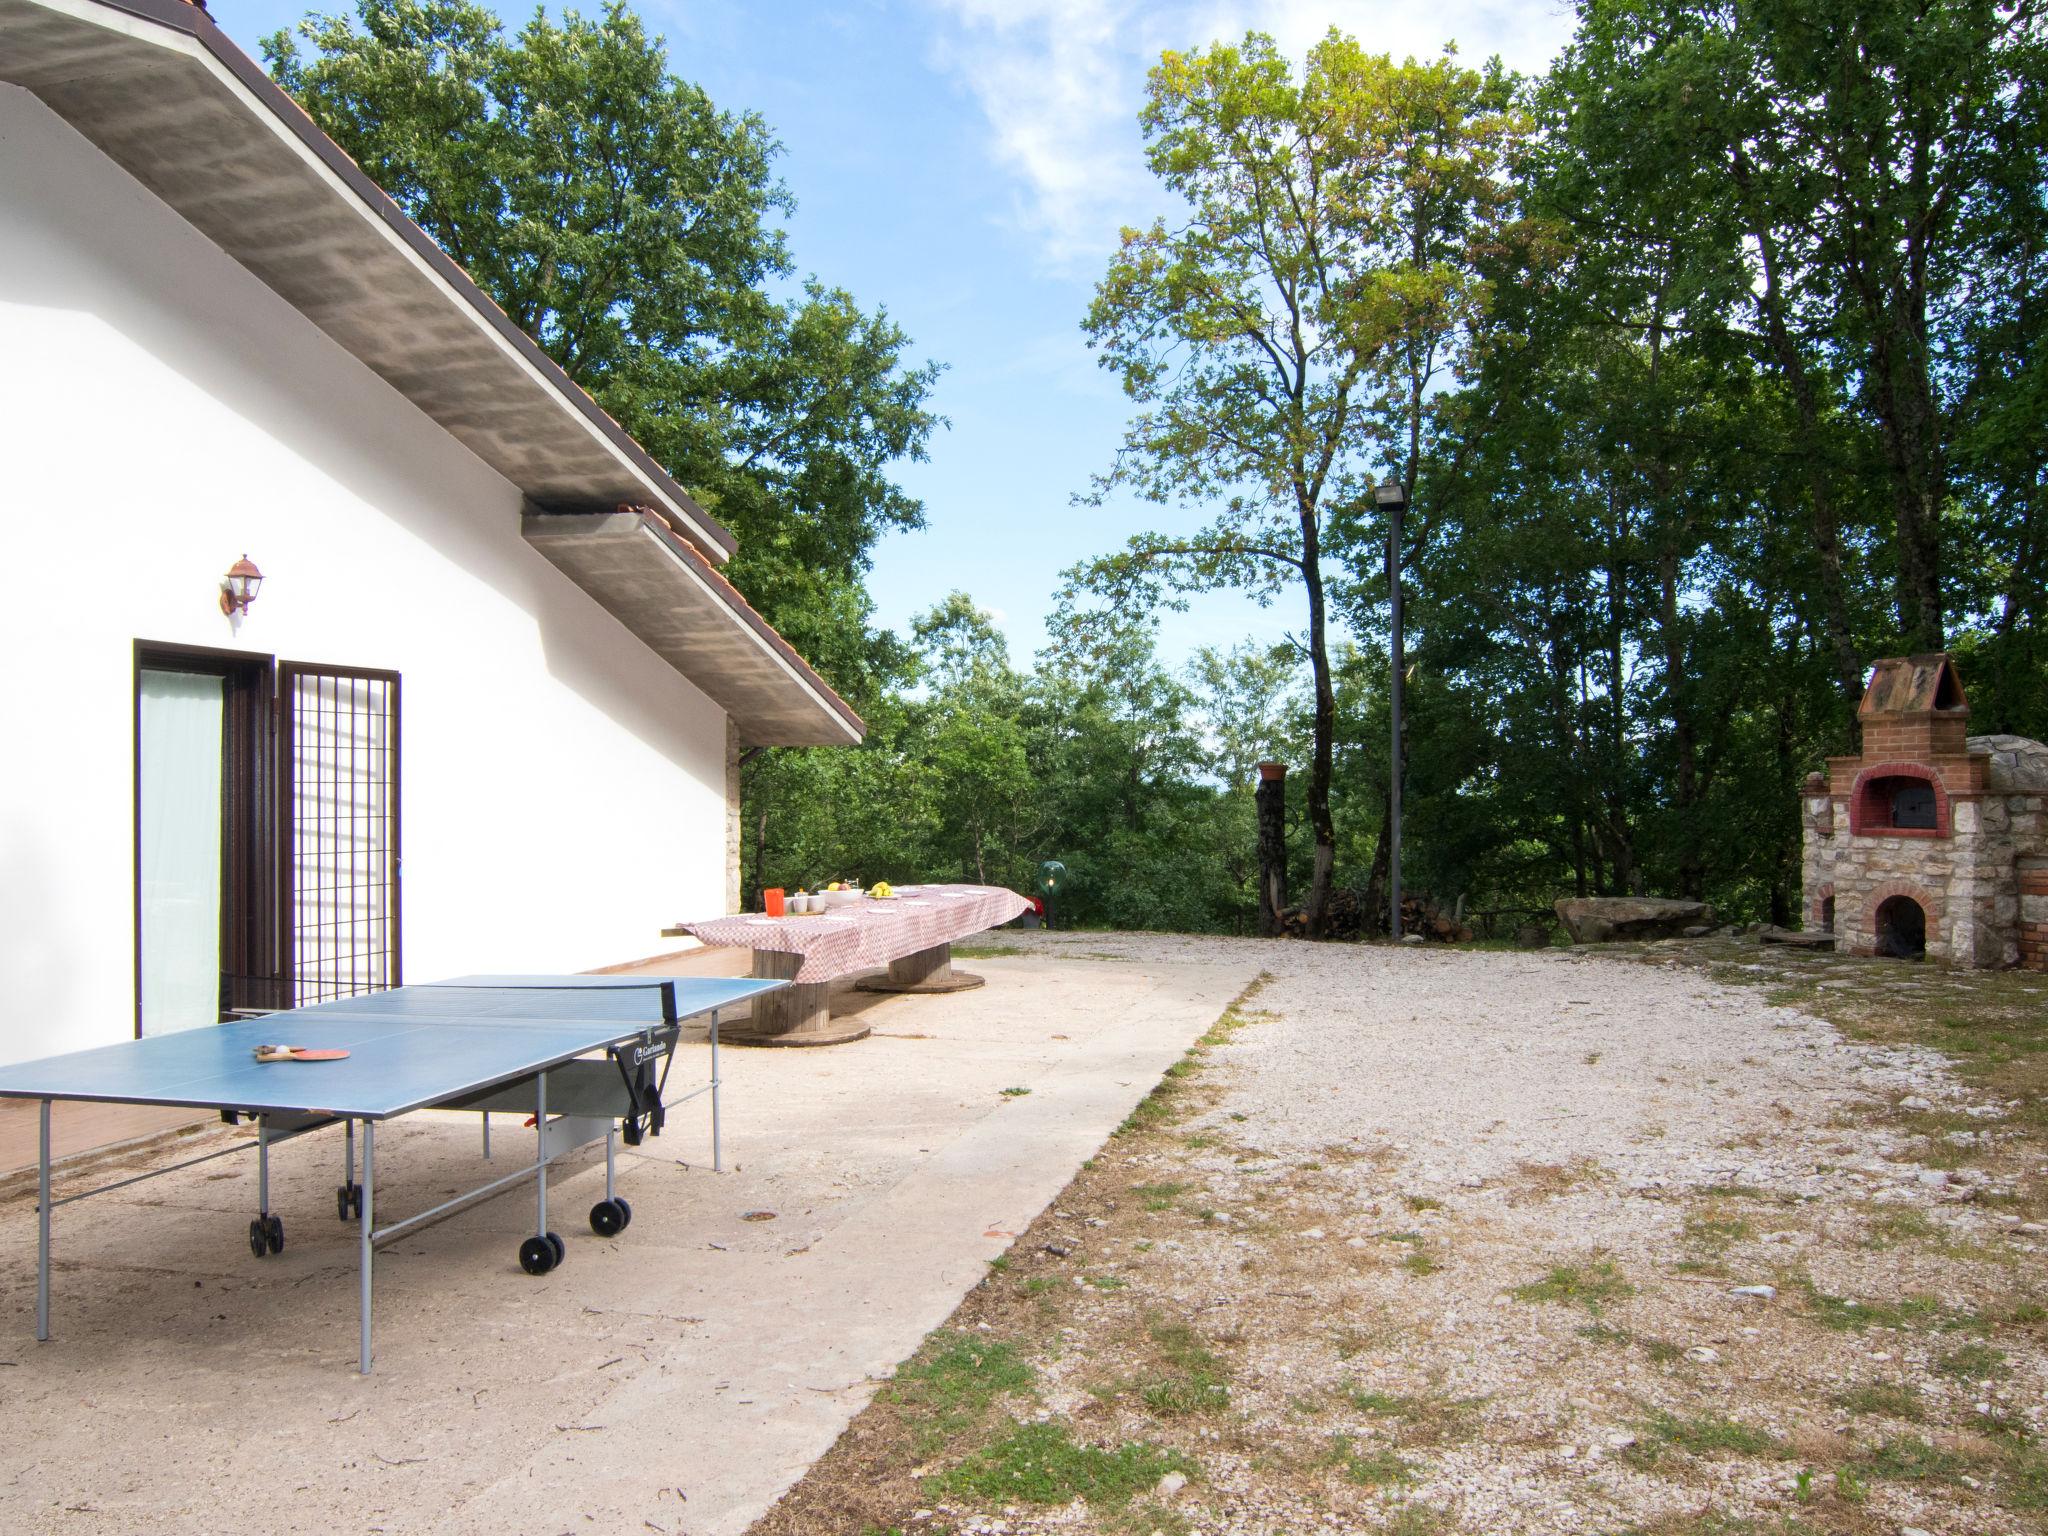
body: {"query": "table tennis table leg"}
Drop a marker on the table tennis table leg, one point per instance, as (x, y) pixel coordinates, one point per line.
(366, 1251)
(717, 1163)
(487, 1135)
(540, 1155)
(43, 1225)
(263, 1165)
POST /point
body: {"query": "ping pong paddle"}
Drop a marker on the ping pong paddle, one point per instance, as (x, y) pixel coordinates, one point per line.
(297, 1053)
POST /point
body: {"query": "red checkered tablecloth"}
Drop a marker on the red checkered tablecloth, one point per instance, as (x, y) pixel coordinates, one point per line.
(866, 935)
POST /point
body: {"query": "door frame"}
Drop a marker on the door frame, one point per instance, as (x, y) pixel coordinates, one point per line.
(213, 661)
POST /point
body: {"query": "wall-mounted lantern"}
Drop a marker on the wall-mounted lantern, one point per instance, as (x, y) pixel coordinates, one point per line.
(239, 587)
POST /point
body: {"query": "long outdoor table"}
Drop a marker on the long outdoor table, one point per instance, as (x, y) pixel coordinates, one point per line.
(911, 934)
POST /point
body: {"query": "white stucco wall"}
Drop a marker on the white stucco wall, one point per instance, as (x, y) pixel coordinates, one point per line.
(161, 413)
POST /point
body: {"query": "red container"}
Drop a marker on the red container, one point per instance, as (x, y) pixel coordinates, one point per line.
(771, 901)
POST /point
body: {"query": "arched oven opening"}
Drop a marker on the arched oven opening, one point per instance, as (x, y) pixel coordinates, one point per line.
(1901, 928)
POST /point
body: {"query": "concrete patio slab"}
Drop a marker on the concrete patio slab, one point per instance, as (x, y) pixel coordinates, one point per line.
(675, 1378)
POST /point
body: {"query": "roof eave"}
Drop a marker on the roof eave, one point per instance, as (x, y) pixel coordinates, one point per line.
(502, 395)
(682, 608)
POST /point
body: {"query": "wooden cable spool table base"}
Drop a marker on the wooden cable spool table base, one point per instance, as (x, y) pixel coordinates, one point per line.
(929, 970)
(798, 1014)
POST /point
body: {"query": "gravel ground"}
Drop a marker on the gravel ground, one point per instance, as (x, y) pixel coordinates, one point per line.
(1459, 1235)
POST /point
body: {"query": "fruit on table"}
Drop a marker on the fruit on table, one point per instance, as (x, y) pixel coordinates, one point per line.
(882, 889)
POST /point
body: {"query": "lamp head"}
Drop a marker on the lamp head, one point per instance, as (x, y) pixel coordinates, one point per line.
(239, 587)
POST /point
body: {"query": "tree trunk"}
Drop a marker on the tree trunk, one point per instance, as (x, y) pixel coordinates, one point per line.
(1685, 736)
(1320, 822)
(1372, 911)
(1272, 803)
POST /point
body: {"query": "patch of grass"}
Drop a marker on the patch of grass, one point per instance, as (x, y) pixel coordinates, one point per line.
(1838, 1314)
(1744, 1192)
(1198, 1380)
(1882, 1401)
(1912, 1460)
(1420, 1261)
(2023, 1482)
(1708, 1235)
(1106, 1282)
(952, 1382)
(1717, 1229)
(1421, 1203)
(1181, 1397)
(1414, 1520)
(1153, 1518)
(1044, 1464)
(1159, 1197)
(1350, 1342)
(1425, 1419)
(1015, 1093)
(1167, 1102)
(1897, 1224)
(1709, 1436)
(987, 951)
(1590, 1285)
(1372, 1467)
(1972, 1362)
(1553, 1179)
(1368, 1401)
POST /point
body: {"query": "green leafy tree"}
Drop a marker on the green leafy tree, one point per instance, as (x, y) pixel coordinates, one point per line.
(1317, 272)
(1846, 155)
(631, 227)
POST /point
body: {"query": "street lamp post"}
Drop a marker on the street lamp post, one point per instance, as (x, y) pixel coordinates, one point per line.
(1392, 497)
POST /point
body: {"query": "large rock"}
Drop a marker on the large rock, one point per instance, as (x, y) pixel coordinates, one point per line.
(1603, 919)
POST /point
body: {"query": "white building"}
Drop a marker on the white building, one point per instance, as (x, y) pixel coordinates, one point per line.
(479, 716)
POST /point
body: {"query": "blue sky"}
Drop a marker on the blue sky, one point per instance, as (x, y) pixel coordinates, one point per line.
(967, 164)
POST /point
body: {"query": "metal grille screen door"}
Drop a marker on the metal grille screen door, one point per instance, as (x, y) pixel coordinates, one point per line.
(340, 754)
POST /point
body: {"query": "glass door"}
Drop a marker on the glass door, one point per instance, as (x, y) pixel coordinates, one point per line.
(179, 754)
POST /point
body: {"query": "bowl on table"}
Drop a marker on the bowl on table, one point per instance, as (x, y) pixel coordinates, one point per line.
(842, 898)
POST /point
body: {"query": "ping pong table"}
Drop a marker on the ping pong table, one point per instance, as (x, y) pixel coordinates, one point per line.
(587, 1057)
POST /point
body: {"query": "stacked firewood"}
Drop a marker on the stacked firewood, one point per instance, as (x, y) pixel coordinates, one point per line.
(1348, 919)
(1421, 915)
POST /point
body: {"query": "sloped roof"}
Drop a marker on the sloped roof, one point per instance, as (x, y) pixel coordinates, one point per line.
(1913, 685)
(164, 94)
(653, 582)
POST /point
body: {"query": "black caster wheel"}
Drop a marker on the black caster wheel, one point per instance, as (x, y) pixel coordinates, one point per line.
(627, 1210)
(273, 1233)
(259, 1238)
(561, 1248)
(607, 1219)
(348, 1201)
(537, 1256)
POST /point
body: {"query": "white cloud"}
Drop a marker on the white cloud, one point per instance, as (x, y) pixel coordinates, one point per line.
(1059, 83)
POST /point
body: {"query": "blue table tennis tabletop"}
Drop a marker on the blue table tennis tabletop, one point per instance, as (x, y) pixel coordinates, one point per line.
(409, 1047)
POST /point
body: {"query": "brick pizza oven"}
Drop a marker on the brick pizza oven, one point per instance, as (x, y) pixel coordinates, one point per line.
(1932, 841)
